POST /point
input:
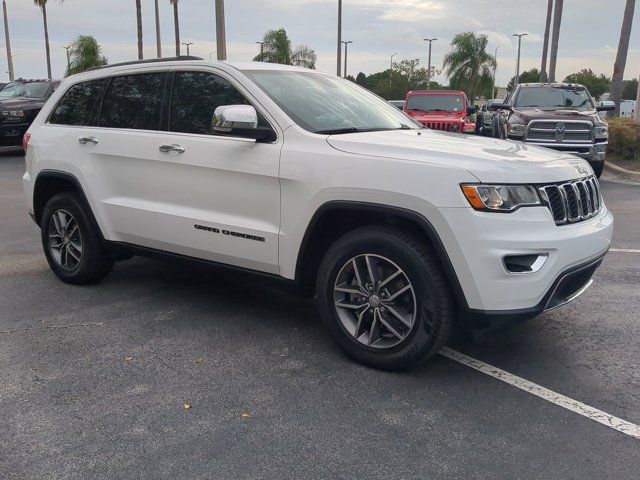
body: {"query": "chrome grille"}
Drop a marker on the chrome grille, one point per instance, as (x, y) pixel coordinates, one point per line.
(560, 132)
(572, 202)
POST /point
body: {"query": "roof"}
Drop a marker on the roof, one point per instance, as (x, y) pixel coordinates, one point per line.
(436, 92)
(555, 85)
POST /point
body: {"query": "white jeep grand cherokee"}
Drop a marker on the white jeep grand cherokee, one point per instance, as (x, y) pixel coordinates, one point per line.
(402, 233)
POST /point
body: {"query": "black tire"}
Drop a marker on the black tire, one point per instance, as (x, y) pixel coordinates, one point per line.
(598, 168)
(433, 302)
(94, 262)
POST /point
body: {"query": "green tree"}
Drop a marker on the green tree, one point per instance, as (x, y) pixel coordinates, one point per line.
(596, 84)
(528, 76)
(416, 76)
(468, 65)
(361, 79)
(176, 25)
(630, 89)
(85, 53)
(42, 5)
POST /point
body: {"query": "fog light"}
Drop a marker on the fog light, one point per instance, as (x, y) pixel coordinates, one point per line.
(525, 263)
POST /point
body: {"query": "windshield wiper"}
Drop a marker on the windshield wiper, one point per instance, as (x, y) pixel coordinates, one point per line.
(338, 131)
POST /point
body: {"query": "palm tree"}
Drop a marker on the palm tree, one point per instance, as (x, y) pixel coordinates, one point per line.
(276, 48)
(557, 22)
(84, 54)
(42, 4)
(545, 45)
(139, 21)
(468, 64)
(621, 57)
(304, 56)
(176, 22)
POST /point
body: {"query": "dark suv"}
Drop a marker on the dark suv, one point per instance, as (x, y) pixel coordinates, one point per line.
(561, 116)
(20, 102)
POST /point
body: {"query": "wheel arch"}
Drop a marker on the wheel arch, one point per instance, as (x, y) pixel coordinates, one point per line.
(343, 216)
(51, 182)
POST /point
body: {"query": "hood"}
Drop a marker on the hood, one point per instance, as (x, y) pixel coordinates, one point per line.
(488, 159)
(20, 103)
(529, 114)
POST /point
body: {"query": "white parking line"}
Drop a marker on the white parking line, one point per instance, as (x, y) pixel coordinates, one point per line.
(580, 408)
(624, 250)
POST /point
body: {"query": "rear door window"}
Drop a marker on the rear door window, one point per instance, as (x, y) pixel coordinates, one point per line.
(79, 105)
(133, 102)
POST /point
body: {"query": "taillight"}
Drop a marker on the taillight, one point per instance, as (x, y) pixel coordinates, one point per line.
(25, 141)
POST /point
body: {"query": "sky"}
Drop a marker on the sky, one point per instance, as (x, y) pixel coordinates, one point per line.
(378, 28)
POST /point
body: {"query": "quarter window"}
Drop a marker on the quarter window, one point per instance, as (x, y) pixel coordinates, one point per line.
(133, 102)
(79, 105)
(195, 97)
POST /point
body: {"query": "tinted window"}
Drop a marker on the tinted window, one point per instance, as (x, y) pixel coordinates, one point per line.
(436, 103)
(555, 98)
(195, 97)
(78, 106)
(133, 102)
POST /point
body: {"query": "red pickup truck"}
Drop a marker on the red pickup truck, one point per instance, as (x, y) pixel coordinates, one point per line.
(446, 110)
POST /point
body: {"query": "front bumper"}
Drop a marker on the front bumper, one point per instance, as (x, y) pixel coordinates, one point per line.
(592, 153)
(11, 134)
(478, 242)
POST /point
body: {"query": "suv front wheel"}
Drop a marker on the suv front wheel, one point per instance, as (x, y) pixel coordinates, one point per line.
(384, 298)
(71, 243)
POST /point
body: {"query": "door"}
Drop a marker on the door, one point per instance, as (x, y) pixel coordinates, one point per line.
(218, 196)
(120, 156)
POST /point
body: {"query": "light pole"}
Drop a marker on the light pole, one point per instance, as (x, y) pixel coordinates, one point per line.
(493, 89)
(391, 68)
(346, 46)
(339, 37)
(221, 37)
(158, 41)
(7, 40)
(261, 50)
(519, 35)
(187, 44)
(430, 40)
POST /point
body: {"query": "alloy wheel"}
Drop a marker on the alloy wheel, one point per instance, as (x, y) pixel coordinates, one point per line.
(375, 301)
(65, 240)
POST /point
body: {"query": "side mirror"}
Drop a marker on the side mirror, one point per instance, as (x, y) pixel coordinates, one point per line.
(239, 121)
(606, 106)
(500, 106)
(471, 110)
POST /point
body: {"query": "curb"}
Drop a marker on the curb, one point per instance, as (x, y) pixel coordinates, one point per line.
(624, 171)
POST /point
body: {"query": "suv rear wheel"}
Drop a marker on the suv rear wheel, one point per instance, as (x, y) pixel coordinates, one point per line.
(384, 298)
(71, 243)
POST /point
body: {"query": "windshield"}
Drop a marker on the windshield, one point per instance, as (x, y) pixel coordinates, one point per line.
(436, 103)
(329, 105)
(554, 98)
(27, 90)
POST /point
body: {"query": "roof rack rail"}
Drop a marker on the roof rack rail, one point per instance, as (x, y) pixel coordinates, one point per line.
(152, 60)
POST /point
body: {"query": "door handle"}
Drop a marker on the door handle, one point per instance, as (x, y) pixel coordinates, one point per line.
(85, 140)
(172, 148)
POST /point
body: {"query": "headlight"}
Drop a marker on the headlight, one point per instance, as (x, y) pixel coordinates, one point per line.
(516, 129)
(601, 132)
(501, 198)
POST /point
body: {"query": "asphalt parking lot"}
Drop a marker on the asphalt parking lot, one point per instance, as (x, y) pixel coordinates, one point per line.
(94, 380)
